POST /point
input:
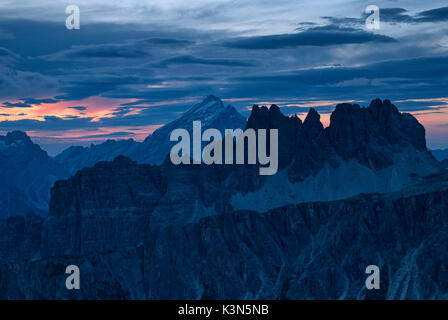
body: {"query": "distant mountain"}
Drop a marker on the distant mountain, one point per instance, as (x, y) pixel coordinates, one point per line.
(440, 154)
(77, 157)
(211, 112)
(26, 173)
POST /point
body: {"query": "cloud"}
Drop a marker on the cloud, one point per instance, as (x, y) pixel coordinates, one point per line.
(120, 48)
(120, 117)
(118, 134)
(48, 123)
(394, 78)
(79, 108)
(167, 41)
(15, 83)
(6, 35)
(195, 60)
(330, 35)
(79, 87)
(26, 103)
(7, 53)
(418, 68)
(38, 101)
(15, 105)
(146, 116)
(434, 15)
(7, 57)
(396, 15)
(103, 51)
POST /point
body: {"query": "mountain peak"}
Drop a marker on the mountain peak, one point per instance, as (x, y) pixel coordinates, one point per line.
(18, 137)
(211, 104)
(312, 125)
(211, 97)
(211, 112)
(383, 110)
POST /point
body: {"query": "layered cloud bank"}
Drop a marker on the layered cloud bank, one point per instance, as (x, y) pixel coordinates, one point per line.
(133, 67)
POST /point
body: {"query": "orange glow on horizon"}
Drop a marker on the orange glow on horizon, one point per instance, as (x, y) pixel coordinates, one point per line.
(434, 120)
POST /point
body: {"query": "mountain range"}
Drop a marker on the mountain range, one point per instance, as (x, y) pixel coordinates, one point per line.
(364, 190)
(364, 150)
(29, 173)
(380, 149)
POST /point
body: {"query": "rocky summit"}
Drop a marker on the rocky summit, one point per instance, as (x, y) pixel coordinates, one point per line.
(362, 191)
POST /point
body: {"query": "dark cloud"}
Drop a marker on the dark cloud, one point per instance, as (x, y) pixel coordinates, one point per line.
(38, 101)
(119, 134)
(79, 108)
(15, 105)
(394, 15)
(7, 53)
(15, 83)
(80, 88)
(121, 111)
(420, 108)
(419, 68)
(27, 103)
(417, 77)
(49, 123)
(104, 51)
(400, 15)
(434, 15)
(330, 35)
(7, 57)
(147, 116)
(54, 38)
(345, 21)
(417, 105)
(167, 41)
(196, 60)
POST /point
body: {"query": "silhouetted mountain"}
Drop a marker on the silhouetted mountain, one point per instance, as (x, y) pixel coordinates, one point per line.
(364, 150)
(26, 173)
(223, 231)
(211, 112)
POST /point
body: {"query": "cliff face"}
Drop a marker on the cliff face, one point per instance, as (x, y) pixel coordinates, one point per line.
(311, 250)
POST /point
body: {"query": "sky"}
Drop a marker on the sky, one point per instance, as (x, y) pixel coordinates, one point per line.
(135, 65)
